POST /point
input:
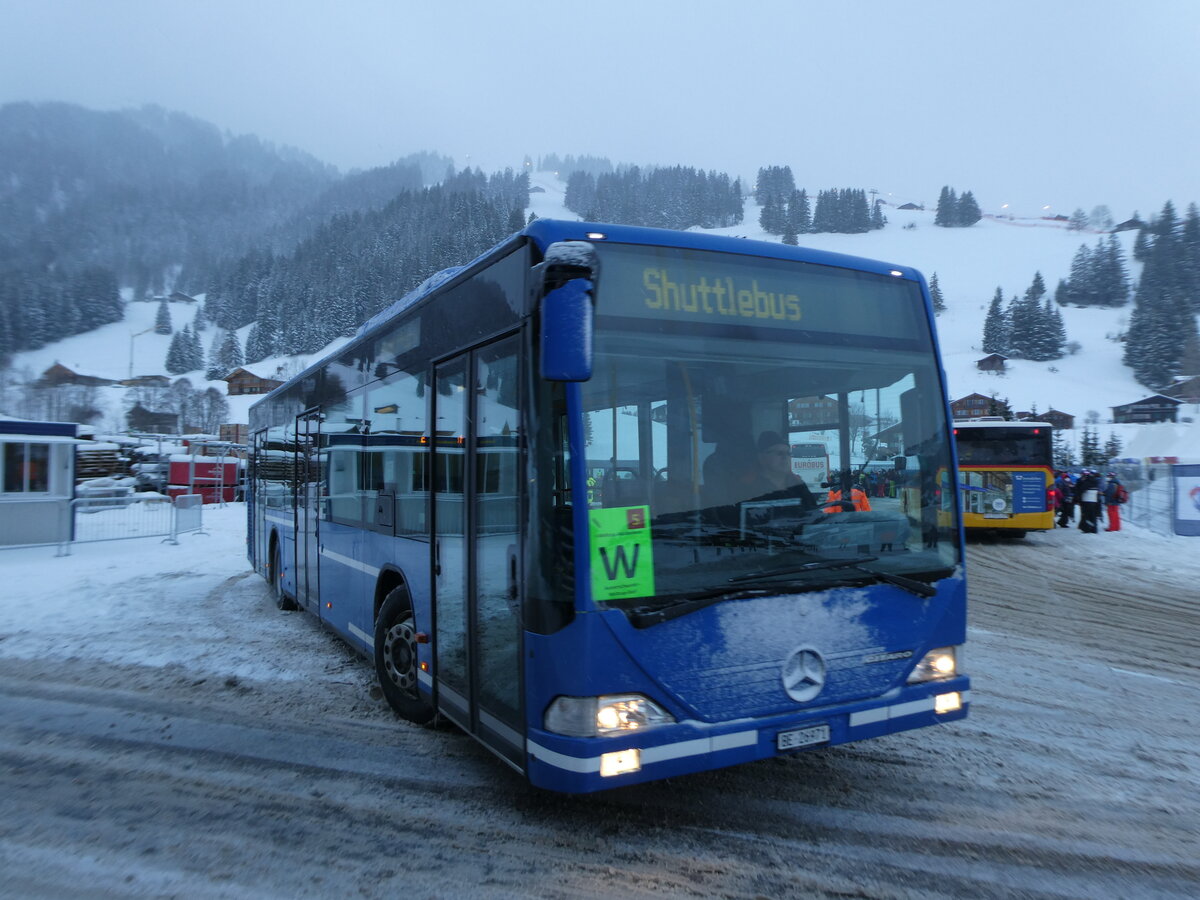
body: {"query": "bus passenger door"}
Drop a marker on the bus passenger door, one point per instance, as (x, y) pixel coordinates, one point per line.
(308, 492)
(476, 547)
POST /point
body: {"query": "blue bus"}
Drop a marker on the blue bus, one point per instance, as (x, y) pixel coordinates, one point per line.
(530, 492)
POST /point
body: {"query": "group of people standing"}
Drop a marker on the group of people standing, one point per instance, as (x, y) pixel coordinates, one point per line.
(1094, 495)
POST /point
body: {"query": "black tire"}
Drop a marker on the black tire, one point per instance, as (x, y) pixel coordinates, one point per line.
(282, 600)
(396, 658)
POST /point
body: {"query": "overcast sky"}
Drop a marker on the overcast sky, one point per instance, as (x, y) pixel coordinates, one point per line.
(1029, 102)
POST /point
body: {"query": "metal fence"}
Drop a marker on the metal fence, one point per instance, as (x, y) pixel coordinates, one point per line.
(133, 516)
(1155, 491)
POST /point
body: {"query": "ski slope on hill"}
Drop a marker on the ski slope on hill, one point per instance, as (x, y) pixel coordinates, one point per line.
(970, 264)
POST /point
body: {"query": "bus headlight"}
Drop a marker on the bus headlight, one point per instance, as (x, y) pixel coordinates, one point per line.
(596, 716)
(939, 663)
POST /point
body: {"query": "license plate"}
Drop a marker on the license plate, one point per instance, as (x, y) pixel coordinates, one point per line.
(802, 737)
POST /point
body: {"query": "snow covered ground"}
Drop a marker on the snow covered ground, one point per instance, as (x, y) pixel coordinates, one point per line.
(165, 731)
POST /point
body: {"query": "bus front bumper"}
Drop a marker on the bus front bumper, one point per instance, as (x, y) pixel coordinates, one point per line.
(582, 765)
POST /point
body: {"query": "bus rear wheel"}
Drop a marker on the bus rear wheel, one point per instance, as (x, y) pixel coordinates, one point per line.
(282, 600)
(396, 657)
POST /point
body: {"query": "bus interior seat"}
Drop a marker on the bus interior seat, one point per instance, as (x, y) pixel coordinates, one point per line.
(619, 491)
(672, 495)
(727, 473)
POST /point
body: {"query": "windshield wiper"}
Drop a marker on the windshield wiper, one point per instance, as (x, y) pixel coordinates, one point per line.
(649, 615)
(814, 566)
(920, 588)
(856, 564)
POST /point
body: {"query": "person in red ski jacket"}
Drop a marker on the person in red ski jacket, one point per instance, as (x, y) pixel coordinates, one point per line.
(1114, 495)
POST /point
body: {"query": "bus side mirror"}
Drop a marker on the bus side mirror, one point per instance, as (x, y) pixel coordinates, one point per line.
(569, 274)
(566, 339)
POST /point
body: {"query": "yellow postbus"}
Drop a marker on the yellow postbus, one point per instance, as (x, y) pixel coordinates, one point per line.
(1005, 471)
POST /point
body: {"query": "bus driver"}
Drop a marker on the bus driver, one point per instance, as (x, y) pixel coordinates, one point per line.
(775, 475)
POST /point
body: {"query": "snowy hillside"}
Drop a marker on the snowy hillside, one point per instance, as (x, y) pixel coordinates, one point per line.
(970, 264)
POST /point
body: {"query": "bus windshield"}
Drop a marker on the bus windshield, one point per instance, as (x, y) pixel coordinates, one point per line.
(1003, 446)
(709, 368)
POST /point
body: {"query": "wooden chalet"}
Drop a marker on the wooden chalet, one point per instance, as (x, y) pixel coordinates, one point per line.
(144, 421)
(146, 381)
(243, 381)
(1155, 408)
(1186, 389)
(812, 413)
(1059, 419)
(889, 441)
(975, 406)
(993, 362)
(58, 375)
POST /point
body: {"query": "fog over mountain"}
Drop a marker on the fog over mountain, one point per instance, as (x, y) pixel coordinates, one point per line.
(308, 214)
(1032, 104)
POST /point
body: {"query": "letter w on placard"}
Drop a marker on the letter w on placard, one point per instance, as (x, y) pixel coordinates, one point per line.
(619, 561)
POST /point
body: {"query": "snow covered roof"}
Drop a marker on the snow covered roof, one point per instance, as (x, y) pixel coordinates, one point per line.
(397, 306)
(1152, 397)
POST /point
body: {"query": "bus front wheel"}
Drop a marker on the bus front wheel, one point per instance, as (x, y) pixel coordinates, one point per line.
(396, 657)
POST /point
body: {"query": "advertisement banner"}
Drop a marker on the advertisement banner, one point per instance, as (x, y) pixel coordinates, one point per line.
(1187, 499)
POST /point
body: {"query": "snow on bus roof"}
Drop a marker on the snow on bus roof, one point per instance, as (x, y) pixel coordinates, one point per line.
(397, 306)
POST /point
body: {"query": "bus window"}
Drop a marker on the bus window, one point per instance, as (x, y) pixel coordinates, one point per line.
(399, 454)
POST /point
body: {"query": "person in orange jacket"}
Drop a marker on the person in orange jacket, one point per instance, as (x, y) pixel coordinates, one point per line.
(835, 503)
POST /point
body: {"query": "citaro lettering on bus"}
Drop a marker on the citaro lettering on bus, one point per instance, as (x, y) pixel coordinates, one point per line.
(622, 555)
(718, 297)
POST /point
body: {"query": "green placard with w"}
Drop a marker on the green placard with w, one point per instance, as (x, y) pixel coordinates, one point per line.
(622, 555)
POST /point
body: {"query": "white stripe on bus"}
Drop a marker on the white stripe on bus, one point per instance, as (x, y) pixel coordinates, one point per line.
(455, 699)
(662, 753)
(897, 711)
(360, 634)
(505, 731)
(373, 571)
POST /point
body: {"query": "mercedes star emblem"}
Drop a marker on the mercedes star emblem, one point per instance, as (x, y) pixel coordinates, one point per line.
(804, 674)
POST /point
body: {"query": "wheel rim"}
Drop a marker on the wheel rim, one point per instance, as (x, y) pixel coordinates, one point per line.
(400, 655)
